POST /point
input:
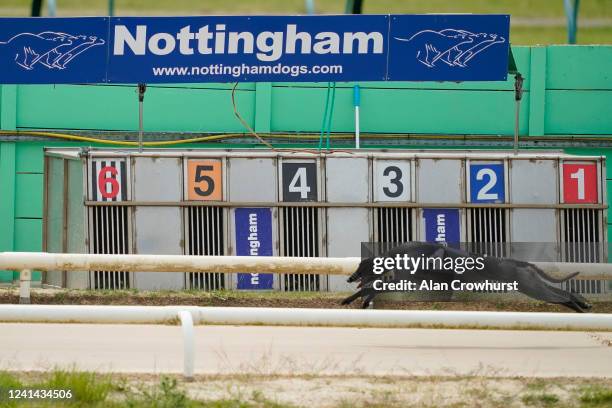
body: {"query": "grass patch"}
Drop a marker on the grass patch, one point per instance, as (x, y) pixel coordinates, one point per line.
(540, 400)
(522, 8)
(87, 388)
(106, 391)
(272, 391)
(537, 384)
(526, 35)
(530, 32)
(595, 396)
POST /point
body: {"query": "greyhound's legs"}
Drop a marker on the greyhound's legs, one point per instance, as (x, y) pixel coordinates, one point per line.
(537, 289)
(572, 305)
(353, 297)
(574, 297)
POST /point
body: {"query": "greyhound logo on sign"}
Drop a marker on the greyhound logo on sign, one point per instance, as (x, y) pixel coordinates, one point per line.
(53, 50)
(454, 48)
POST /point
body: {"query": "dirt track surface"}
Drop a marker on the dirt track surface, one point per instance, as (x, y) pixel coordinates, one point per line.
(140, 348)
(267, 299)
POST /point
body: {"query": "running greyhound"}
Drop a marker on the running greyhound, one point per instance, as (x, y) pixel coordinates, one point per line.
(532, 281)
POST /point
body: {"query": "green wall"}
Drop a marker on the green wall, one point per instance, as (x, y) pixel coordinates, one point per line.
(568, 92)
(21, 199)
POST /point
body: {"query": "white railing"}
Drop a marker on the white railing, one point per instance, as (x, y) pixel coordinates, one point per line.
(26, 262)
(305, 317)
(188, 315)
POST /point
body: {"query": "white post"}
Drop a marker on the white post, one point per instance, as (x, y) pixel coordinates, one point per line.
(25, 277)
(188, 344)
(356, 103)
(357, 136)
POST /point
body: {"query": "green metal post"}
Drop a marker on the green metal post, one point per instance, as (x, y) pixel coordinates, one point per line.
(7, 203)
(8, 107)
(111, 7)
(263, 107)
(537, 91)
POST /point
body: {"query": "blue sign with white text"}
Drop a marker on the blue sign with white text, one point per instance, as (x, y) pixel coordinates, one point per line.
(487, 183)
(254, 238)
(442, 225)
(254, 49)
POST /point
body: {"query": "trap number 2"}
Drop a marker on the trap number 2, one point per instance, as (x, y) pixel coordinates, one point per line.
(487, 183)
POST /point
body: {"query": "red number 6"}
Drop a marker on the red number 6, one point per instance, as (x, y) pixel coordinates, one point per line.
(104, 178)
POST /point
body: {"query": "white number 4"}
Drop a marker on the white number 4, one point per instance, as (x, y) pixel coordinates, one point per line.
(299, 184)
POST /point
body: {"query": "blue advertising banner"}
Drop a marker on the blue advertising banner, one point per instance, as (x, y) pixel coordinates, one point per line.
(254, 238)
(442, 225)
(258, 48)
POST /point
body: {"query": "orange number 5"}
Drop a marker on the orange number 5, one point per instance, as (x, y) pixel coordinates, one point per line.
(204, 180)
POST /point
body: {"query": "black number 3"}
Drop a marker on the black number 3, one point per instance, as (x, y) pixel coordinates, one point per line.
(395, 180)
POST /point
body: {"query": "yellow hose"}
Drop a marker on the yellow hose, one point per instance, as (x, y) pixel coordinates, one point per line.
(162, 143)
(210, 138)
(121, 143)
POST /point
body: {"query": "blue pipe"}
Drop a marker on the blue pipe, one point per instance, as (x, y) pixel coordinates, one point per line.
(571, 12)
(356, 96)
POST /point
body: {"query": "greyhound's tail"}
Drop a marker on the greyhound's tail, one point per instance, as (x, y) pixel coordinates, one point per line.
(549, 278)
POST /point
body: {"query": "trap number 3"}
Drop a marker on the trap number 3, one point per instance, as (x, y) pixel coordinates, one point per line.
(392, 180)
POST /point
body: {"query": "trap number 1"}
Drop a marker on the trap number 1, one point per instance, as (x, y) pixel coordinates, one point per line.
(580, 183)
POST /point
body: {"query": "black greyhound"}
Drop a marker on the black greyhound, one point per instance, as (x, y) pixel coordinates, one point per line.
(532, 281)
